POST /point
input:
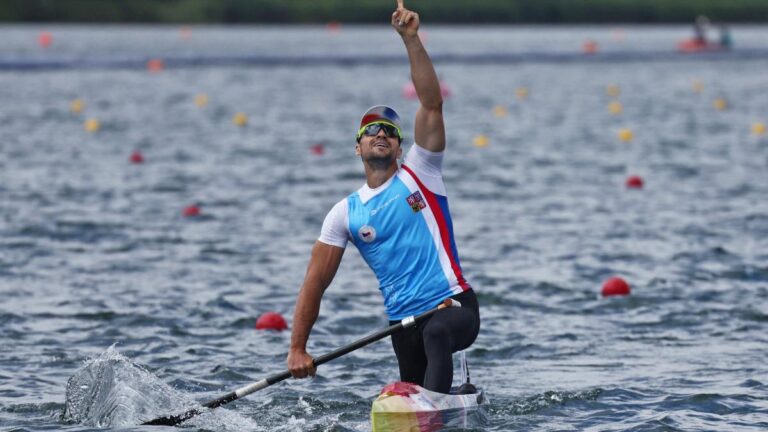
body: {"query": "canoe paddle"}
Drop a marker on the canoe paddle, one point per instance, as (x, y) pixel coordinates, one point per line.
(173, 420)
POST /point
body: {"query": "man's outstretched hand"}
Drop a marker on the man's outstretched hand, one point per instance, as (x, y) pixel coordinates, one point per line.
(405, 21)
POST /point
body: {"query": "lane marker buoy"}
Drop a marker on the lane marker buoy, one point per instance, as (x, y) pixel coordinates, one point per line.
(615, 108)
(240, 119)
(615, 286)
(626, 134)
(92, 125)
(191, 211)
(201, 100)
(137, 157)
(720, 104)
(317, 149)
(45, 39)
(271, 321)
(480, 141)
(634, 182)
(155, 65)
(77, 106)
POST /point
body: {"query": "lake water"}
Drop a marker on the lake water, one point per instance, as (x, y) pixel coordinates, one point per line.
(94, 250)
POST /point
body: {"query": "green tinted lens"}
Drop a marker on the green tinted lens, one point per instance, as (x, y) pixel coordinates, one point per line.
(374, 128)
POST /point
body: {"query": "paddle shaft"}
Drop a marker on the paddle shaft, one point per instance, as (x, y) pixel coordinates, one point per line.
(276, 378)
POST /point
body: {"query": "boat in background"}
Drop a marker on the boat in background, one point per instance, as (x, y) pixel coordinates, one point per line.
(698, 46)
(403, 406)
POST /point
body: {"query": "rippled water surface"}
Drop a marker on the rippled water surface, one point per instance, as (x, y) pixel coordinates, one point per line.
(94, 251)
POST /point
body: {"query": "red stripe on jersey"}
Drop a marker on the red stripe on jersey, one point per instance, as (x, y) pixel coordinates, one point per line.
(445, 235)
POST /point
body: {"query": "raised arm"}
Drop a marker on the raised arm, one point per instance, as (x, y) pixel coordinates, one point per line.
(429, 130)
(322, 268)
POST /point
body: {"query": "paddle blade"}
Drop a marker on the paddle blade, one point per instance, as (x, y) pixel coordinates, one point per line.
(173, 420)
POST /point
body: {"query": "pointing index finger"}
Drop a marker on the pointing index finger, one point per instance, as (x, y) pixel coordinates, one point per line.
(400, 4)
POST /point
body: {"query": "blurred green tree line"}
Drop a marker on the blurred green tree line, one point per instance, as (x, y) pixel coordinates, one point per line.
(378, 11)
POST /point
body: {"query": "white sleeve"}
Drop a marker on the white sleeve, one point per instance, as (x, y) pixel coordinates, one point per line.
(335, 231)
(428, 166)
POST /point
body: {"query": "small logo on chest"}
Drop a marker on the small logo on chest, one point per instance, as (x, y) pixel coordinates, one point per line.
(416, 201)
(366, 233)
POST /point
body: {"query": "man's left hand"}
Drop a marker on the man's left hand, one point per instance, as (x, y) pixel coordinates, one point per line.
(405, 21)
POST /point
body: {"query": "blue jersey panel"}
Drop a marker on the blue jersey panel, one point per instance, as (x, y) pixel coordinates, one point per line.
(396, 243)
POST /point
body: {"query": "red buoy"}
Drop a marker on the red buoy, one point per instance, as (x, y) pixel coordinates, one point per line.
(45, 39)
(137, 157)
(155, 65)
(634, 182)
(409, 91)
(333, 27)
(191, 211)
(615, 286)
(271, 321)
(317, 149)
(589, 47)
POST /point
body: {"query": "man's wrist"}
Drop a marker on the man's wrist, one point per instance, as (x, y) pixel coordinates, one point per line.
(410, 37)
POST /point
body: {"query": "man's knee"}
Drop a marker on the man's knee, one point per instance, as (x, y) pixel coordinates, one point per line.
(436, 333)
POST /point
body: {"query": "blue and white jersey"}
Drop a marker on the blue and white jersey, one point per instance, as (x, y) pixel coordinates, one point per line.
(404, 232)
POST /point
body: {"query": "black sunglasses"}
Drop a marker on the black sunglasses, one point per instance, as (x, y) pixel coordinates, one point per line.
(374, 128)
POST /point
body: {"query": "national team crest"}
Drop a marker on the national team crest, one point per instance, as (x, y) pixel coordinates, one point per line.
(416, 201)
(367, 233)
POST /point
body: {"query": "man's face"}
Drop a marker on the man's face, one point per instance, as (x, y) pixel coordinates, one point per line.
(378, 148)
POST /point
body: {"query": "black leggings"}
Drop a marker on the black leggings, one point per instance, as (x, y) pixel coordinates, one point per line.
(424, 352)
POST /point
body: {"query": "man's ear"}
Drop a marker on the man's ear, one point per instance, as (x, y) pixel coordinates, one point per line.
(357, 149)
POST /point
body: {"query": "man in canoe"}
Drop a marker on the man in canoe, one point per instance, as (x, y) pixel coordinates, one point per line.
(400, 222)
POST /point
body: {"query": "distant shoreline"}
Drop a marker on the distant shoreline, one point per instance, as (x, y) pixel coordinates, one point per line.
(469, 12)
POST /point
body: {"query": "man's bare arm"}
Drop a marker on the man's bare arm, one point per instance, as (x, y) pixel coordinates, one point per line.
(429, 130)
(321, 269)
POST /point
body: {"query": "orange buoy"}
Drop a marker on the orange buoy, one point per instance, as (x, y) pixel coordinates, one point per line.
(240, 119)
(720, 104)
(92, 125)
(615, 107)
(626, 135)
(481, 141)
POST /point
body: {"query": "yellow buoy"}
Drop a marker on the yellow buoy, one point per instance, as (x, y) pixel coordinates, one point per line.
(720, 104)
(626, 135)
(480, 141)
(615, 108)
(240, 119)
(698, 86)
(613, 90)
(77, 106)
(521, 93)
(92, 125)
(201, 100)
(500, 111)
(758, 128)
